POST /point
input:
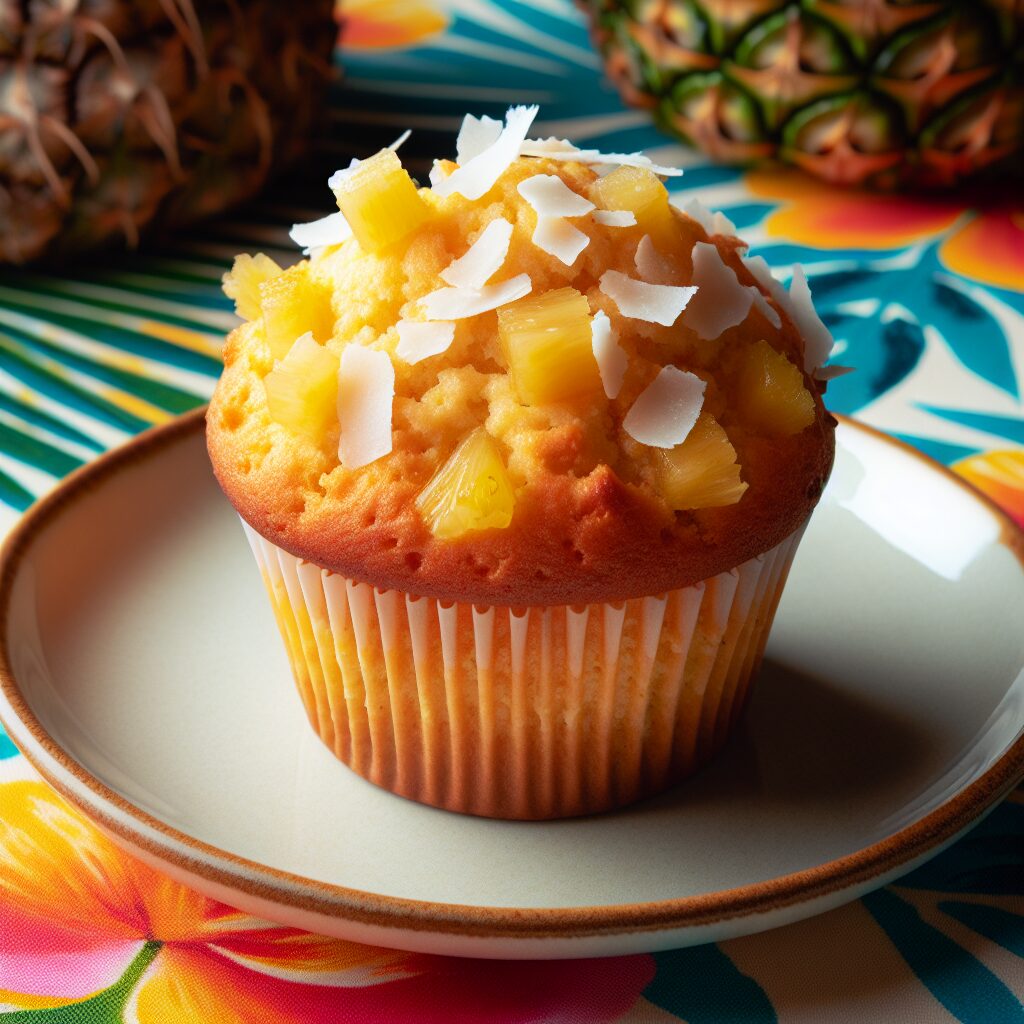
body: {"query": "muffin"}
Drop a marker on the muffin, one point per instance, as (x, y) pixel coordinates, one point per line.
(523, 457)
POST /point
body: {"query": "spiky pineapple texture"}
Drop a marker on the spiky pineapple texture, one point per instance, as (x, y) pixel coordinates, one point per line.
(857, 92)
(121, 116)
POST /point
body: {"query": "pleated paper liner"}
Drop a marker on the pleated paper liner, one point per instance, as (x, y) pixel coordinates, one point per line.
(541, 712)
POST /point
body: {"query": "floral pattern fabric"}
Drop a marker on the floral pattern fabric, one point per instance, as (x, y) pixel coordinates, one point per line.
(924, 295)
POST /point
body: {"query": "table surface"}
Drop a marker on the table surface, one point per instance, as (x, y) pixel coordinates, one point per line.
(925, 296)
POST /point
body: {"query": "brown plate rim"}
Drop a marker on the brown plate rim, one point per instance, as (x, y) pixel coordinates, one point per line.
(220, 867)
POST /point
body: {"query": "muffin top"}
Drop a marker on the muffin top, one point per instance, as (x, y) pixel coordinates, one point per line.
(534, 382)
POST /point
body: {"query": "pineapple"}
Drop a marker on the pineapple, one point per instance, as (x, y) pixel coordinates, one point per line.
(702, 472)
(380, 201)
(292, 304)
(639, 190)
(471, 491)
(880, 92)
(242, 282)
(548, 345)
(126, 117)
(302, 389)
(771, 395)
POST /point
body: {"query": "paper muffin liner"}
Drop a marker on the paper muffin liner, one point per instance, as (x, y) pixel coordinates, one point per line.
(534, 712)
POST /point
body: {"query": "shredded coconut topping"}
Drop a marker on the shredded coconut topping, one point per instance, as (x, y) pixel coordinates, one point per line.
(483, 259)
(336, 179)
(475, 135)
(817, 339)
(831, 372)
(366, 392)
(655, 303)
(437, 174)
(340, 175)
(562, 149)
(610, 356)
(615, 218)
(650, 264)
(555, 235)
(721, 301)
(477, 176)
(551, 197)
(317, 234)
(418, 341)
(714, 223)
(459, 303)
(553, 201)
(764, 307)
(666, 410)
(758, 266)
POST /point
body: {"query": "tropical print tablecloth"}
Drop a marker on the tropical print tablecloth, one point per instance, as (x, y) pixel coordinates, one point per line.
(925, 296)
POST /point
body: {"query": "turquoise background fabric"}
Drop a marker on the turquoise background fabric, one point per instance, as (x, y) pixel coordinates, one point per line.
(102, 350)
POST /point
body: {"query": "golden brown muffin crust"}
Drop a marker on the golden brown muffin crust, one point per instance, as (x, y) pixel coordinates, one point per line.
(588, 524)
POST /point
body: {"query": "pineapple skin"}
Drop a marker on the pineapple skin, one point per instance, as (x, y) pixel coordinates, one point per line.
(880, 94)
(114, 135)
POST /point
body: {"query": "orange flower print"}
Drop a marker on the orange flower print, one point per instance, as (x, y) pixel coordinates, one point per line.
(89, 934)
(389, 24)
(984, 242)
(1000, 475)
(989, 248)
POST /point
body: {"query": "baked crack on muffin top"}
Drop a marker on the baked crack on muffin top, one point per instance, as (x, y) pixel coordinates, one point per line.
(534, 382)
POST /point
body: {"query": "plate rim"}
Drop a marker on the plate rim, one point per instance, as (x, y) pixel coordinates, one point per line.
(159, 840)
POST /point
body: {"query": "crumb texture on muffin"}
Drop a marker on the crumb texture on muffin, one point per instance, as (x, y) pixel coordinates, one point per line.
(638, 399)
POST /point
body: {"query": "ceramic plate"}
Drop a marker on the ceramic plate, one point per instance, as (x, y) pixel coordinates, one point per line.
(143, 676)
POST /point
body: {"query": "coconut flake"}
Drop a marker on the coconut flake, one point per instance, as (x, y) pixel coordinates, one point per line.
(401, 140)
(714, 223)
(650, 263)
(317, 234)
(366, 391)
(340, 175)
(475, 135)
(336, 179)
(483, 259)
(666, 410)
(562, 149)
(817, 339)
(611, 359)
(764, 307)
(721, 302)
(418, 341)
(615, 218)
(555, 235)
(831, 372)
(758, 266)
(459, 303)
(477, 176)
(553, 201)
(551, 197)
(437, 174)
(655, 303)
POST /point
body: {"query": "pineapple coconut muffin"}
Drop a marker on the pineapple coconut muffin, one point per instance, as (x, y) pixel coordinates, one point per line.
(523, 457)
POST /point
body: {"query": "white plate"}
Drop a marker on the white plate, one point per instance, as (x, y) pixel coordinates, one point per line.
(143, 676)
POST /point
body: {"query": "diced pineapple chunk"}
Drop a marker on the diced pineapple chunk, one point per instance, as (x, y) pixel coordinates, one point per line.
(380, 201)
(771, 394)
(471, 491)
(302, 389)
(547, 342)
(293, 303)
(702, 472)
(242, 282)
(639, 190)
